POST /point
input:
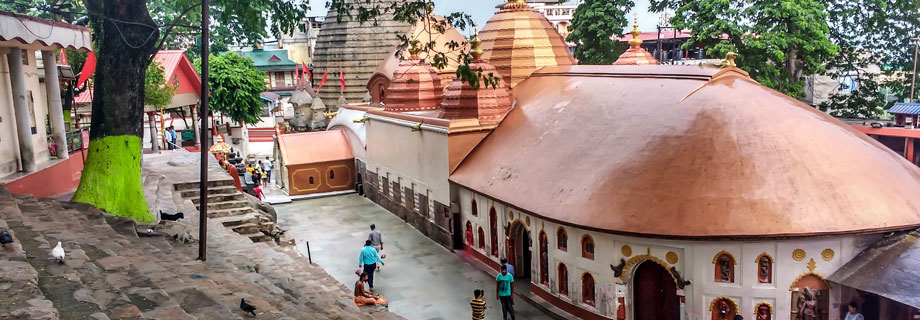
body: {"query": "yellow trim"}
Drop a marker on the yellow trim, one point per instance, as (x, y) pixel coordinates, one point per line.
(626, 250)
(798, 254)
(510, 215)
(770, 306)
(671, 257)
(527, 221)
(294, 185)
(797, 279)
(715, 259)
(764, 254)
(645, 257)
(732, 301)
(474, 210)
(827, 254)
(326, 178)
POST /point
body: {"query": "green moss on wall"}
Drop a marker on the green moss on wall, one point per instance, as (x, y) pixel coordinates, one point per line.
(112, 178)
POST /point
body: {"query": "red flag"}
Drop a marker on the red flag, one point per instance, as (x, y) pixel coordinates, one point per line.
(309, 76)
(342, 78)
(322, 82)
(88, 68)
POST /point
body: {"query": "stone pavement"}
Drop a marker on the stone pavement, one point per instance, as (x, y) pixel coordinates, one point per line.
(422, 279)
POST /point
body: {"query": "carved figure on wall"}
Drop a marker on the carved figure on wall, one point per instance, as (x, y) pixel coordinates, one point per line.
(618, 269)
(621, 308)
(808, 305)
(724, 310)
(763, 313)
(681, 283)
(764, 269)
(725, 268)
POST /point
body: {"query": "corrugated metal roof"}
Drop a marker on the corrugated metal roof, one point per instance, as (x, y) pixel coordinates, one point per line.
(888, 268)
(314, 147)
(905, 108)
(269, 59)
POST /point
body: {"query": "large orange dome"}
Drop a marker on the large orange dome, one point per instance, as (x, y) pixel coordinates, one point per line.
(518, 40)
(486, 103)
(416, 86)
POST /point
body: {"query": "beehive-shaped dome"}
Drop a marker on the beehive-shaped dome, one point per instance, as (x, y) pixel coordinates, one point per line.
(486, 103)
(415, 86)
(635, 55)
(355, 47)
(518, 40)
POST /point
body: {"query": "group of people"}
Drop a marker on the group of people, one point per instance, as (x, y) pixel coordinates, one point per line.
(368, 258)
(504, 288)
(253, 176)
(171, 138)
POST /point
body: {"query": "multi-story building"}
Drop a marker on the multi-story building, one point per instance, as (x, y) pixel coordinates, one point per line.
(559, 14)
(300, 45)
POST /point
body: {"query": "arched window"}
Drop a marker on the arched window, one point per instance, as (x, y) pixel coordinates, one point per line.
(563, 279)
(587, 289)
(562, 240)
(311, 180)
(765, 268)
(493, 231)
(587, 247)
(482, 239)
(469, 234)
(724, 267)
(331, 174)
(544, 259)
(474, 209)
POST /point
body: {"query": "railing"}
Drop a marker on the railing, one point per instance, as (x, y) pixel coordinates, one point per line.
(77, 139)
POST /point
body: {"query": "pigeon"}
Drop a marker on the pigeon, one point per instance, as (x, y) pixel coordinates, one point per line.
(5, 238)
(171, 217)
(248, 308)
(58, 253)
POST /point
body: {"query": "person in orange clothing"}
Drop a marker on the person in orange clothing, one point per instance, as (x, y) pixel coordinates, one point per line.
(363, 297)
(231, 169)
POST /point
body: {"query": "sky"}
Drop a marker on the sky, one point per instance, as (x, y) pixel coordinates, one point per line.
(482, 10)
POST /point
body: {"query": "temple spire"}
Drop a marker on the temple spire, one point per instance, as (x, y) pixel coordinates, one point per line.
(475, 51)
(635, 55)
(635, 42)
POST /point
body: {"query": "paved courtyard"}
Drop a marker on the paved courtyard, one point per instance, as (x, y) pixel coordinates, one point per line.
(422, 279)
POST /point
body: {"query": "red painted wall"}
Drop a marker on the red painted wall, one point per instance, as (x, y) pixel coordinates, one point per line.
(59, 178)
(184, 72)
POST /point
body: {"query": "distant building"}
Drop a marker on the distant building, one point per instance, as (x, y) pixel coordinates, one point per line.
(301, 44)
(279, 69)
(558, 14)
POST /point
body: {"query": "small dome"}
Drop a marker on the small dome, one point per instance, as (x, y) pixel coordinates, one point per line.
(518, 40)
(635, 55)
(487, 103)
(415, 87)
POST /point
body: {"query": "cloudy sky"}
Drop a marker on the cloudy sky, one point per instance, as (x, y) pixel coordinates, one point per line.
(482, 10)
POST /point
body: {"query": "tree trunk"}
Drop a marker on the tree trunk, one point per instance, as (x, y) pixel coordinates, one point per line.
(154, 142)
(125, 37)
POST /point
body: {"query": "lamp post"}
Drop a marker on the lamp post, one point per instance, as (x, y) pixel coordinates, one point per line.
(203, 115)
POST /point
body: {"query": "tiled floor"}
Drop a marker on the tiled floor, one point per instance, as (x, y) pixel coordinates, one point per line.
(422, 279)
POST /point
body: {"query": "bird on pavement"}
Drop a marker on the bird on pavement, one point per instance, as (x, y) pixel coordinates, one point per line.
(5, 237)
(58, 253)
(248, 308)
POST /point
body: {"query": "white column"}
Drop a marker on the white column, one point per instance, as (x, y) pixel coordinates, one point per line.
(154, 136)
(21, 109)
(55, 108)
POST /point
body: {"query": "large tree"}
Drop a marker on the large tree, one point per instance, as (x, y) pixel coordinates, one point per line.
(593, 25)
(875, 52)
(127, 37)
(779, 41)
(236, 86)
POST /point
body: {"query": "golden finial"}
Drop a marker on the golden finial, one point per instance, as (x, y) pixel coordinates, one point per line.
(414, 49)
(729, 60)
(635, 42)
(475, 51)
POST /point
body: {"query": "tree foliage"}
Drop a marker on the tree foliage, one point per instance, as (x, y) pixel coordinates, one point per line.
(157, 93)
(779, 41)
(235, 86)
(593, 25)
(875, 51)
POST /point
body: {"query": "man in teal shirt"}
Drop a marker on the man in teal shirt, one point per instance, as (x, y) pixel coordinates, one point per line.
(504, 285)
(368, 259)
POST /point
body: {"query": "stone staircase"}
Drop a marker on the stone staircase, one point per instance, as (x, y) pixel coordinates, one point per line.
(229, 207)
(112, 272)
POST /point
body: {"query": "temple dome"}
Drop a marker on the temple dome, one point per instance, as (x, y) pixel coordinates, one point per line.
(687, 152)
(635, 55)
(355, 47)
(415, 86)
(486, 103)
(518, 40)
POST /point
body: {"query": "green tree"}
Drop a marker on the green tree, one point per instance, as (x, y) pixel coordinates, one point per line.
(157, 93)
(126, 39)
(236, 86)
(593, 25)
(779, 41)
(875, 51)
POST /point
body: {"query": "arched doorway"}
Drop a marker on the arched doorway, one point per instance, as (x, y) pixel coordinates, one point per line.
(654, 293)
(810, 297)
(520, 250)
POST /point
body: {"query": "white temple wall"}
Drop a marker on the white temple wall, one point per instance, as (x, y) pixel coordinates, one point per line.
(409, 157)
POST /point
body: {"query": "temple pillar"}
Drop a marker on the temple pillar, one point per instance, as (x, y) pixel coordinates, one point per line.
(21, 109)
(195, 124)
(55, 108)
(909, 149)
(154, 144)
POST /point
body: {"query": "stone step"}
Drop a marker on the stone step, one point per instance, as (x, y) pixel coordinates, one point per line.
(228, 212)
(257, 236)
(183, 186)
(248, 228)
(189, 194)
(237, 204)
(216, 198)
(233, 221)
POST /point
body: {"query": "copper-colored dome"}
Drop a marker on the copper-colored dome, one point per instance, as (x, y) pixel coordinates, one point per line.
(635, 55)
(462, 101)
(687, 152)
(415, 87)
(518, 40)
